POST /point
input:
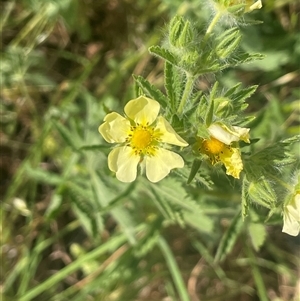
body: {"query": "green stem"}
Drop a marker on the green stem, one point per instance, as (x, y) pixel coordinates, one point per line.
(212, 24)
(187, 91)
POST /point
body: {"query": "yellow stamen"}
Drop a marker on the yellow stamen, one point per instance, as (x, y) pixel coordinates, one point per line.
(141, 138)
(213, 146)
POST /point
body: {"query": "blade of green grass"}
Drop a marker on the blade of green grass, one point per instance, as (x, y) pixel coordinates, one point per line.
(174, 269)
(258, 277)
(63, 273)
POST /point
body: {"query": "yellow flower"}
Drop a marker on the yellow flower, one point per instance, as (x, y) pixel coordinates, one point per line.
(291, 216)
(220, 147)
(140, 136)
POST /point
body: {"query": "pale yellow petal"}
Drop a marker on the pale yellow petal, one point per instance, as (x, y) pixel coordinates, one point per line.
(115, 128)
(243, 133)
(256, 5)
(294, 207)
(227, 135)
(232, 160)
(142, 110)
(291, 216)
(168, 133)
(290, 225)
(160, 165)
(123, 162)
(222, 134)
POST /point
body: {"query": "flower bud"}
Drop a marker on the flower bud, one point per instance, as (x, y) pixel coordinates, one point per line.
(180, 33)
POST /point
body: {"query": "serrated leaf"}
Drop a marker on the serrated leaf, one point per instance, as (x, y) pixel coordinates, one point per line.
(291, 140)
(247, 58)
(245, 121)
(164, 54)
(229, 238)
(244, 93)
(232, 90)
(262, 193)
(169, 80)
(228, 42)
(267, 160)
(174, 83)
(151, 90)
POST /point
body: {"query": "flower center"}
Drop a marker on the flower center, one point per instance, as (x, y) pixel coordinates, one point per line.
(141, 138)
(213, 146)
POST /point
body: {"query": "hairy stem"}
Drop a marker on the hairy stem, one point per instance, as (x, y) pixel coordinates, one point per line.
(187, 91)
(212, 24)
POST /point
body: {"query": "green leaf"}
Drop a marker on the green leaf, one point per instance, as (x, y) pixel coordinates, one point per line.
(262, 193)
(107, 191)
(43, 176)
(195, 167)
(151, 90)
(229, 238)
(232, 90)
(149, 239)
(246, 58)
(233, 103)
(243, 94)
(169, 80)
(85, 210)
(54, 206)
(163, 207)
(214, 67)
(146, 244)
(174, 84)
(270, 158)
(258, 235)
(199, 221)
(164, 54)
(66, 135)
(228, 42)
